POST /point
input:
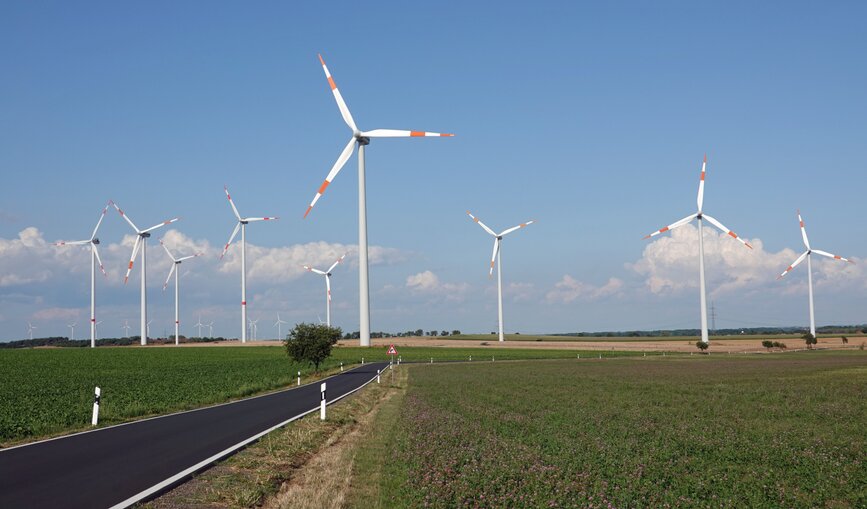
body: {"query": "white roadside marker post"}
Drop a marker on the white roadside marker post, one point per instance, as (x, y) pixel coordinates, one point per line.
(377, 376)
(431, 360)
(341, 367)
(600, 355)
(95, 419)
(299, 378)
(579, 355)
(322, 403)
(471, 358)
(362, 361)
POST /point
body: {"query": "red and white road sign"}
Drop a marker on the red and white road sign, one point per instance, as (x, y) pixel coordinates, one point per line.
(391, 350)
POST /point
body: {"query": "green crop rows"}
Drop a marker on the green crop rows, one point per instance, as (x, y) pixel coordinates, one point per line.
(764, 431)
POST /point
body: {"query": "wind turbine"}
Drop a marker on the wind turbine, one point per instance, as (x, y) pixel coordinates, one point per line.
(141, 241)
(211, 330)
(253, 328)
(94, 259)
(30, 328)
(126, 327)
(362, 139)
(701, 216)
(498, 237)
(327, 274)
(175, 270)
(808, 255)
(242, 225)
(199, 324)
(278, 324)
(148, 327)
(96, 328)
(72, 330)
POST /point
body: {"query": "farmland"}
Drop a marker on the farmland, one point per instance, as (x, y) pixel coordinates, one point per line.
(47, 391)
(758, 431)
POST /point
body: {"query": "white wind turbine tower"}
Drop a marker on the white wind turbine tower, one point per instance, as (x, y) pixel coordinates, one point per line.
(199, 324)
(701, 216)
(362, 139)
(72, 330)
(498, 237)
(242, 225)
(808, 255)
(94, 259)
(211, 330)
(141, 241)
(278, 324)
(176, 271)
(30, 328)
(327, 274)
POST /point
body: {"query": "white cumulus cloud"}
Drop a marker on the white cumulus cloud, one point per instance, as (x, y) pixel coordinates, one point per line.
(569, 289)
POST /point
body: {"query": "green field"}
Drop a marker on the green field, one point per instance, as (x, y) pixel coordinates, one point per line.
(47, 391)
(492, 338)
(764, 431)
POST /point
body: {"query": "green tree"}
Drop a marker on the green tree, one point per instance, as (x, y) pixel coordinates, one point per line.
(308, 342)
(701, 345)
(809, 339)
(768, 344)
(456, 332)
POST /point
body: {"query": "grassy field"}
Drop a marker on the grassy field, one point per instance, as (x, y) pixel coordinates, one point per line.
(578, 339)
(763, 431)
(47, 391)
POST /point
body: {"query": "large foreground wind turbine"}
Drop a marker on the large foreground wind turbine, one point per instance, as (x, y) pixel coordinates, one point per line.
(808, 255)
(701, 216)
(361, 138)
(327, 274)
(498, 237)
(94, 259)
(242, 225)
(175, 270)
(141, 241)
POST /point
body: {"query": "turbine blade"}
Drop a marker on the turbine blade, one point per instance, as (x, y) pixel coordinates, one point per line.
(154, 227)
(700, 199)
(189, 257)
(829, 255)
(99, 222)
(71, 242)
(344, 156)
(132, 258)
(328, 286)
(98, 259)
(167, 251)
(726, 230)
(397, 133)
(672, 226)
(494, 256)
(510, 230)
(794, 264)
(483, 225)
(172, 271)
(253, 219)
(234, 208)
(344, 110)
(803, 231)
(231, 238)
(128, 220)
(335, 264)
(311, 269)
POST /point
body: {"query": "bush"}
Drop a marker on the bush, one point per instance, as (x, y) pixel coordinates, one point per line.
(701, 345)
(809, 339)
(312, 343)
(768, 344)
(780, 345)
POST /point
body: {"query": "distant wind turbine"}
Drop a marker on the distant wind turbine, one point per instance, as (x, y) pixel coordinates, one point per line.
(30, 328)
(175, 270)
(211, 330)
(701, 216)
(808, 255)
(126, 327)
(94, 259)
(96, 328)
(362, 139)
(498, 237)
(327, 274)
(72, 330)
(199, 324)
(242, 225)
(141, 241)
(277, 324)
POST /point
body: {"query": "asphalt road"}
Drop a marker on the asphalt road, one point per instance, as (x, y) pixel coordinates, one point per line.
(119, 465)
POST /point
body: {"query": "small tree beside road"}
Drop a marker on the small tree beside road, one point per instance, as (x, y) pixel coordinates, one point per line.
(308, 342)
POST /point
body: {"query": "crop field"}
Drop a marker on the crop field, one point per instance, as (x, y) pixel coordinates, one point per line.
(760, 431)
(47, 391)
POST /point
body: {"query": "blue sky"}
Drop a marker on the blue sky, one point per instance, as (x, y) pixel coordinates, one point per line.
(590, 119)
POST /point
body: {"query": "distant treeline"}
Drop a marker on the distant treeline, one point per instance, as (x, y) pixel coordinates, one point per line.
(757, 331)
(65, 342)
